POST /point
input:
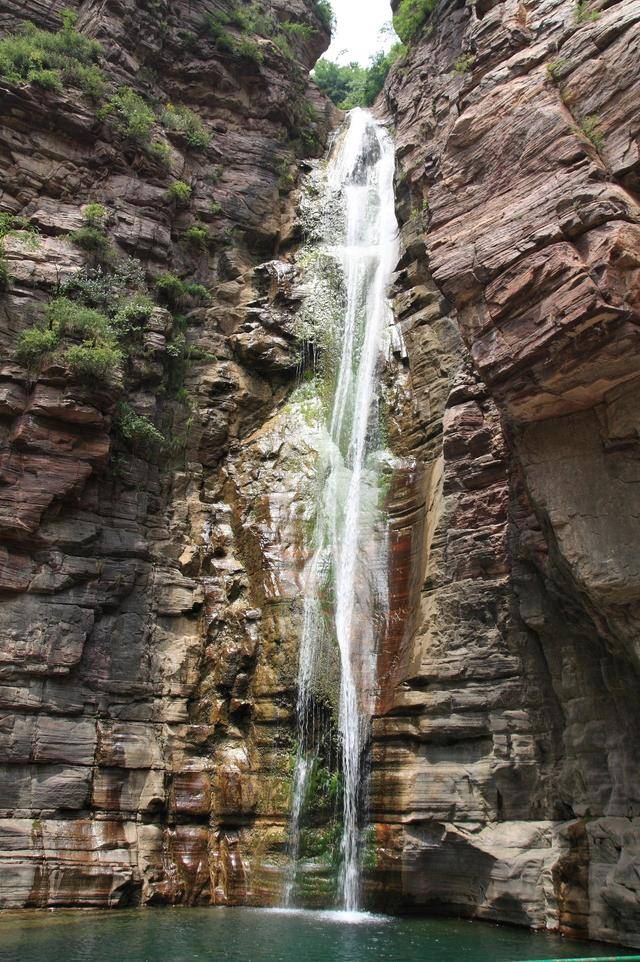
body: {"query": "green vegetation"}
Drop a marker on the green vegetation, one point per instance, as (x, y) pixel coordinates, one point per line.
(92, 240)
(179, 191)
(132, 315)
(93, 362)
(106, 289)
(52, 60)
(353, 85)
(464, 64)
(95, 215)
(181, 120)
(589, 126)
(197, 237)
(325, 11)
(584, 12)
(234, 31)
(96, 358)
(134, 117)
(215, 208)
(175, 293)
(555, 68)
(34, 345)
(215, 26)
(138, 432)
(411, 17)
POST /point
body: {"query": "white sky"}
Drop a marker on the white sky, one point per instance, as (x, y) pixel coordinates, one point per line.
(357, 30)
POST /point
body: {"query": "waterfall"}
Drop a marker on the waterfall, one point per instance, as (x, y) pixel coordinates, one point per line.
(348, 567)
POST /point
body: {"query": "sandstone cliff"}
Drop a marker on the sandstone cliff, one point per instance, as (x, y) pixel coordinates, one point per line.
(150, 588)
(506, 758)
(142, 701)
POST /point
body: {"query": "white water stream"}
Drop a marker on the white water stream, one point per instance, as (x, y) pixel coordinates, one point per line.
(349, 563)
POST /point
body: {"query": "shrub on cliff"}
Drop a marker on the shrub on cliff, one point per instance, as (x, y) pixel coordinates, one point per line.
(93, 362)
(137, 431)
(183, 121)
(411, 17)
(325, 11)
(134, 116)
(34, 345)
(52, 58)
(179, 191)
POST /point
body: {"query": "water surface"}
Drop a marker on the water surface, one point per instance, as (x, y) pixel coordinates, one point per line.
(255, 935)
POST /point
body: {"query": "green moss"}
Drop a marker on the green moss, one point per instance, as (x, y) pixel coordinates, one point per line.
(589, 126)
(5, 277)
(464, 64)
(556, 68)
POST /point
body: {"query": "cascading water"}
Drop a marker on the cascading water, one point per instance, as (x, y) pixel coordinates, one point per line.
(347, 572)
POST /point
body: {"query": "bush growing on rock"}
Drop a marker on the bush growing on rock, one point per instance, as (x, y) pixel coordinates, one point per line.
(411, 17)
(183, 121)
(197, 237)
(92, 240)
(137, 431)
(93, 362)
(95, 215)
(50, 59)
(325, 10)
(179, 191)
(34, 345)
(134, 116)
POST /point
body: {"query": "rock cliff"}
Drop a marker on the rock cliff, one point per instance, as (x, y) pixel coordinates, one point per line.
(154, 482)
(505, 780)
(148, 650)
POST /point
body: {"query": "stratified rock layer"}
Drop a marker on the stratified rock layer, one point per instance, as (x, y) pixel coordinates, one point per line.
(148, 643)
(505, 781)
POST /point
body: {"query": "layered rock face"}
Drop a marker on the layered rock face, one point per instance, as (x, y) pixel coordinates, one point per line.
(148, 632)
(505, 777)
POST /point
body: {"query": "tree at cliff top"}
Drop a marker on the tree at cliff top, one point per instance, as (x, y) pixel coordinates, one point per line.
(352, 85)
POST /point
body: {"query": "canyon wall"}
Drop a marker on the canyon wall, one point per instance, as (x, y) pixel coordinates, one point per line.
(505, 779)
(150, 595)
(148, 592)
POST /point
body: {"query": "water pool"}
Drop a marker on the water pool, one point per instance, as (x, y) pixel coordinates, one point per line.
(256, 935)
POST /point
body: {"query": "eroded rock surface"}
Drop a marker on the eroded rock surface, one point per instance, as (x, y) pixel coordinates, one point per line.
(148, 653)
(505, 781)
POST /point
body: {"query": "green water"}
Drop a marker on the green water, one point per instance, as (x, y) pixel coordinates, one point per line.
(254, 935)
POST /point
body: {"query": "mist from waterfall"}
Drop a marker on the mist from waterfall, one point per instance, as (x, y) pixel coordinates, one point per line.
(348, 567)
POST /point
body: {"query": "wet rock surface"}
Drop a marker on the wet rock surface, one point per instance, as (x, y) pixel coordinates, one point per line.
(148, 601)
(506, 745)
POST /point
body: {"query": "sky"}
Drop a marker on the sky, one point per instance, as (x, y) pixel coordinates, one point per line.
(357, 33)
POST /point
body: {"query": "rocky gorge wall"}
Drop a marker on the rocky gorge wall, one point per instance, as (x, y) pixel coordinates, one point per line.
(150, 596)
(148, 634)
(505, 778)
